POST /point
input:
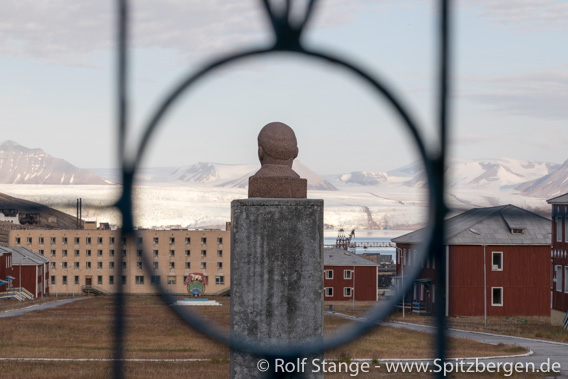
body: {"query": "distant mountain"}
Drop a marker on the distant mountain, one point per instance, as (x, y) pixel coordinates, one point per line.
(21, 165)
(550, 185)
(364, 178)
(236, 176)
(488, 173)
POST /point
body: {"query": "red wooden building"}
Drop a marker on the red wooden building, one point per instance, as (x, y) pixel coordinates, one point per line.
(346, 275)
(6, 270)
(498, 262)
(559, 258)
(31, 268)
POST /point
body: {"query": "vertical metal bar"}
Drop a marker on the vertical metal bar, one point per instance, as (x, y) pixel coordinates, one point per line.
(122, 40)
(439, 170)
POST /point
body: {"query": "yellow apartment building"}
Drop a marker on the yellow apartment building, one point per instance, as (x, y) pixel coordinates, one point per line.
(99, 257)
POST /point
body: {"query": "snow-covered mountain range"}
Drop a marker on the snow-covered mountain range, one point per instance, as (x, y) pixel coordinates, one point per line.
(200, 194)
(20, 165)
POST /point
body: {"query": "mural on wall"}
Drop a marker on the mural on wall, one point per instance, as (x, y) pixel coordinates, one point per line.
(196, 283)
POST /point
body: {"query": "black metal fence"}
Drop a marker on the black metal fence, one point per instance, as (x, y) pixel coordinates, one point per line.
(287, 35)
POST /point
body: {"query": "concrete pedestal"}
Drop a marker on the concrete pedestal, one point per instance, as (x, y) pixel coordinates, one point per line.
(276, 276)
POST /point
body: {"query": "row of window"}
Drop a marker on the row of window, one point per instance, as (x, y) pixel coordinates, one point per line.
(138, 280)
(155, 253)
(88, 265)
(347, 274)
(89, 240)
(558, 278)
(347, 291)
(559, 229)
(407, 257)
(496, 259)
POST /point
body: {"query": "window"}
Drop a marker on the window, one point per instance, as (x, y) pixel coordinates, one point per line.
(139, 240)
(52, 265)
(172, 253)
(171, 279)
(558, 278)
(203, 240)
(156, 240)
(566, 279)
(88, 240)
(219, 265)
(111, 279)
(123, 253)
(347, 291)
(64, 279)
(76, 279)
(123, 265)
(29, 240)
(111, 265)
(111, 240)
(41, 240)
(497, 296)
(99, 265)
(203, 265)
(139, 265)
(99, 280)
(566, 229)
(64, 240)
(76, 252)
(154, 280)
(76, 265)
(111, 253)
(123, 240)
(52, 253)
(18, 241)
(99, 253)
(52, 279)
(139, 253)
(88, 265)
(497, 261)
(172, 240)
(203, 253)
(187, 240)
(187, 265)
(99, 240)
(219, 240)
(558, 229)
(187, 253)
(42, 252)
(172, 265)
(329, 274)
(139, 280)
(88, 253)
(53, 240)
(517, 231)
(220, 253)
(123, 279)
(64, 265)
(220, 280)
(64, 253)
(155, 252)
(328, 291)
(347, 274)
(155, 265)
(77, 240)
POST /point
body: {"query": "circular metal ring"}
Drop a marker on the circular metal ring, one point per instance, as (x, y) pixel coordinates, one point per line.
(376, 313)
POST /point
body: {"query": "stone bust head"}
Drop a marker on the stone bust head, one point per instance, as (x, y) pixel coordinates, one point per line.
(277, 149)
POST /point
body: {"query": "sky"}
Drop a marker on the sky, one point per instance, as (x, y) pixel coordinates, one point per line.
(509, 81)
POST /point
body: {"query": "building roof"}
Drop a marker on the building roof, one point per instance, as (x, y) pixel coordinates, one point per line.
(502, 225)
(339, 257)
(18, 254)
(562, 199)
